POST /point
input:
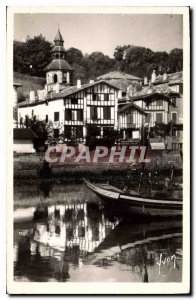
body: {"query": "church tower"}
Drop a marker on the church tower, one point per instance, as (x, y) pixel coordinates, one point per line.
(58, 72)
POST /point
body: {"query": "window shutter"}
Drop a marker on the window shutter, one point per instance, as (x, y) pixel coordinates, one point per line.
(66, 115)
(159, 117)
(174, 117)
(107, 113)
(80, 115)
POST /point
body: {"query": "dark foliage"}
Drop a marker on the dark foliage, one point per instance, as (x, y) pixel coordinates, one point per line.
(33, 56)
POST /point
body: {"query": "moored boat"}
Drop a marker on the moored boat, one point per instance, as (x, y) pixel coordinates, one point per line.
(135, 203)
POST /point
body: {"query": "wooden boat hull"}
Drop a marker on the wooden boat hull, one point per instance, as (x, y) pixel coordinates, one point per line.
(136, 204)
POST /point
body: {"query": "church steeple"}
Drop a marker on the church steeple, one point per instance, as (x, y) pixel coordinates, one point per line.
(58, 50)
(58, 40)
(58, 71)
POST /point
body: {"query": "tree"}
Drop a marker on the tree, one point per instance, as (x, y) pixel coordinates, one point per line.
(32, 56)
(141, 61)
(162, 130)
(175, 60)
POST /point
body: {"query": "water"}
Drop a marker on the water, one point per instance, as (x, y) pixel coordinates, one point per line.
(71, 236)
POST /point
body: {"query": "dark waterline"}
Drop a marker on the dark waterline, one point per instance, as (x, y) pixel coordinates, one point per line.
(74, 237)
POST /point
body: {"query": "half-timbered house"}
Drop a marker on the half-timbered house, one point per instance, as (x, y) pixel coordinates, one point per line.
(131, 117)
(72, 109)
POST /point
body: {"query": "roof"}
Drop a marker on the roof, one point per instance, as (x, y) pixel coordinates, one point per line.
(129, 105)
(151, 90)
(65, 93)
(73, 89)
(171, 78)
(24, 134)
(58, 64)
(149, 95)
(118, 75)
(58, 37)
(122, 84)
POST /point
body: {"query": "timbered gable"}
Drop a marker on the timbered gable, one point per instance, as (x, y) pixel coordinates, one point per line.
(131, 116)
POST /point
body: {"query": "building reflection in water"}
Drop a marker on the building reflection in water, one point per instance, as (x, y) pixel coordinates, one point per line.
(67, 235)
(69, 226)
(63, 240)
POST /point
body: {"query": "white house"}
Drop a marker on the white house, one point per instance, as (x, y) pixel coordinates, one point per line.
(24, 140)
(72, 109)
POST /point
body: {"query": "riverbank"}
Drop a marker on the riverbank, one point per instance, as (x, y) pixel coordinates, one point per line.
(26, 167)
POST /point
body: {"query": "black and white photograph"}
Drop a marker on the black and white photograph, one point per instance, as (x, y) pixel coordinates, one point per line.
(99, 179)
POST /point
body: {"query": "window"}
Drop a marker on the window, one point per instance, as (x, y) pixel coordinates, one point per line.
(159, 117)
(68, 114)
(74, 115)
(180, 146)
(106, 131)
(107, 113)
(64, 78)
(79, 132)
(67, 132)
(174, 117)
(80, 115)
(56, 133)
(55, 78)
(93, 112)
(148, 117)
(57, 229)
(159, 102)
(74, 101)
(46, 118)
(95, 97)
(81, 231)
(56, 116)
(106, 97)
(130, 117)
(174, 102)
(32, 112)
(181, 88)
(174, 132)
(93, 131)
(174, 146)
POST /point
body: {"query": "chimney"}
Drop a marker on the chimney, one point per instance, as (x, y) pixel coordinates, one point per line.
(165, 76)
(32, 96)
(145, 80)
(78, 84)
(91, 81)
(153, 76)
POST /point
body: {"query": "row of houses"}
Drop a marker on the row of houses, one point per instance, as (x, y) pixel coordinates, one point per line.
(115, 101)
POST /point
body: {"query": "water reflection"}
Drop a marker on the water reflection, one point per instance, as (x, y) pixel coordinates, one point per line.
(82, 241)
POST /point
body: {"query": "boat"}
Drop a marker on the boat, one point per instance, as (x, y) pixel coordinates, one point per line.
(135, 203)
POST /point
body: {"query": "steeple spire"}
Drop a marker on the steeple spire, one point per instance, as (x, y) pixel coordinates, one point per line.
(58, 71)
(58, 40)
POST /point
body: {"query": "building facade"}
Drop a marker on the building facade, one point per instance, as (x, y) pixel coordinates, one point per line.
(160, 101)
(72, 109)
(116, 101)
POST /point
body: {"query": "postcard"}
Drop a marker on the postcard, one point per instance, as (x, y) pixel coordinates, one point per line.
(98, 142)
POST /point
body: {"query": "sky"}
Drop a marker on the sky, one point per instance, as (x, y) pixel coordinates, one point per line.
(103, 32)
